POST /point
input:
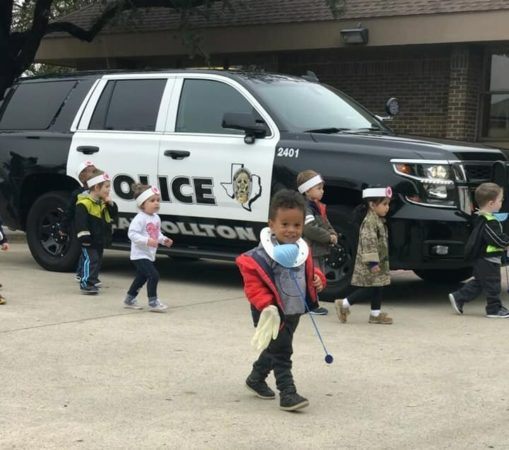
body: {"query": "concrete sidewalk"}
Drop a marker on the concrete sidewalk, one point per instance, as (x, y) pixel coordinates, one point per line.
(83, 373)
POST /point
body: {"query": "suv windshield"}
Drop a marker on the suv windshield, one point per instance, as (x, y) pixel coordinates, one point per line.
(302, 106)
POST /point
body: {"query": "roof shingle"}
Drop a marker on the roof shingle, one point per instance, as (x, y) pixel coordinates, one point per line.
(259, 12)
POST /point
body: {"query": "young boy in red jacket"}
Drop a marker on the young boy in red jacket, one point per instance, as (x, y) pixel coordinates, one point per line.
(275, 293)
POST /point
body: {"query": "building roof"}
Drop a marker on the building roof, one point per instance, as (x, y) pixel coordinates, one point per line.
(258, 12)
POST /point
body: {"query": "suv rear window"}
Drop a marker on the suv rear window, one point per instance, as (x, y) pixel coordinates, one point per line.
(34, 106)
(128, 105)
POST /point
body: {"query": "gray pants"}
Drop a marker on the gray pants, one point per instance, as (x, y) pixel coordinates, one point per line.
(486, 279)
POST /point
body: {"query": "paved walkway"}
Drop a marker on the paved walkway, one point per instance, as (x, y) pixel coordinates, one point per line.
(83, 373)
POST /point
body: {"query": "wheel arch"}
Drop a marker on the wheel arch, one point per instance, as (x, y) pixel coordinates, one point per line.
(38, 184)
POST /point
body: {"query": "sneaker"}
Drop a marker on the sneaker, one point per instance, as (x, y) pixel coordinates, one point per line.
(292, 402)
(456, 305)
(157, 307)
(2, 300)
(320, 311)
(382, 319)
(98, 284)
(341, 311)
(502, 313)
(260, 388)
(133, 304)
(89, 290)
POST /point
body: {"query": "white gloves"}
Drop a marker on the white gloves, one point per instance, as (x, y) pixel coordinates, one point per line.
(267, 328)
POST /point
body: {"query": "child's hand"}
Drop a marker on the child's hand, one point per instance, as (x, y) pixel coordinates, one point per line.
(5, 246)
(168, 242)
(333, 239)
(375, 269)
(152, 243)
(108, 200)
(317, 283)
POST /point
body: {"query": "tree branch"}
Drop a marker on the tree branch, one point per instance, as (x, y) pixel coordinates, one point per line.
(113, 9)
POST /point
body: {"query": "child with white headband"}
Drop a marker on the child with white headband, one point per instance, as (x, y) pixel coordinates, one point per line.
(371, 270)
(83, 173)
(318, 231)
(95, 212)
(145, 235)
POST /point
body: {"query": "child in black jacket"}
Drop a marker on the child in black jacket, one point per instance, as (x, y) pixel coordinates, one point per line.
(486, 245)
(5, 246)
(94, 213)
(85, 171)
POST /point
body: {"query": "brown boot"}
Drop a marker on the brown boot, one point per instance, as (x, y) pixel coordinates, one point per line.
(382, 319)
(341, 311)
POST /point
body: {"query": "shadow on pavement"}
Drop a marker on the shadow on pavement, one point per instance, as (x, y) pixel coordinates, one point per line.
(405, 286)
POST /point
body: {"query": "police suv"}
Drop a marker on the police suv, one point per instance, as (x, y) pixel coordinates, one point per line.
(218, 145)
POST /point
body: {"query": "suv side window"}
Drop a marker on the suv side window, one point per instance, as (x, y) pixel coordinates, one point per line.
(128, 105)
(34, 105)
(203, 104)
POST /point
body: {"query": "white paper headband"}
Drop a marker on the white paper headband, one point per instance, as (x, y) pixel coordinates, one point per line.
(83, 165)
(311, 183)
(98, 179)
(377, 192)
(145, 195)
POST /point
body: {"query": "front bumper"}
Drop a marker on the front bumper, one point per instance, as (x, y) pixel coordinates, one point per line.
(427, 238)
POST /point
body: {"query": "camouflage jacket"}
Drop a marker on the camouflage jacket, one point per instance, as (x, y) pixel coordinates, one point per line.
(372, 247)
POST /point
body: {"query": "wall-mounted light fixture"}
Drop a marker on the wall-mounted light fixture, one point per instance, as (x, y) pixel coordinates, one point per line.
(358, 35)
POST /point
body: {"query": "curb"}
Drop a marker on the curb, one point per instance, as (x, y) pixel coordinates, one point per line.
(15, 236)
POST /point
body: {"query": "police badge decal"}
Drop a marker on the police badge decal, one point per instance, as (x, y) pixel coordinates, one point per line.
(244, 187)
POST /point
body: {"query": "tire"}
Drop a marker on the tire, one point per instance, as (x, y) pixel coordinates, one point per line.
(41, 229)
(445, 276)
(338, 279)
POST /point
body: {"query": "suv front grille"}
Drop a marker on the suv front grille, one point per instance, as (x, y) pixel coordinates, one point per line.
(475, 173)
(478, 173)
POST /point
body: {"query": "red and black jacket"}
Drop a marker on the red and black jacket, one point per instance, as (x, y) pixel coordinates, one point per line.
(260, 287)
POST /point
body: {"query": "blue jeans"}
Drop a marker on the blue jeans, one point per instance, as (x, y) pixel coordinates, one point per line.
(145, 272)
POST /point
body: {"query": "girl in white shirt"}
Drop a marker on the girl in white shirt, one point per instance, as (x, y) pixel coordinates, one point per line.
(145, 235)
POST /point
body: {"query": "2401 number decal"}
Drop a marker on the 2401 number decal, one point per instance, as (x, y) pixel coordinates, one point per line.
(285, 152)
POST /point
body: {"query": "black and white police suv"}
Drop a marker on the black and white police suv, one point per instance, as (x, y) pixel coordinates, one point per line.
(218, 144)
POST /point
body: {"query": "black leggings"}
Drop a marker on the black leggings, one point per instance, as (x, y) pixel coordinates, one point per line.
(145, 271)
(362, 293)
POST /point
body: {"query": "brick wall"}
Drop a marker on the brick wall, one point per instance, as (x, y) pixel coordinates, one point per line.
(420, 82)
(464, 90)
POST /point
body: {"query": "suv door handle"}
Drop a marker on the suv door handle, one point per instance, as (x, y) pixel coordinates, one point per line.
(177, 154)
(87, 149)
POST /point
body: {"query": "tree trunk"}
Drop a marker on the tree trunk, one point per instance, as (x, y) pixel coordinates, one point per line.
(9, 69)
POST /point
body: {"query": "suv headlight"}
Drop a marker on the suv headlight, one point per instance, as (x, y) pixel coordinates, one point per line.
(435, 181)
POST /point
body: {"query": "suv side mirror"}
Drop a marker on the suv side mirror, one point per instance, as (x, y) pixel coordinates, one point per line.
(391, 108)
(246, 122)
